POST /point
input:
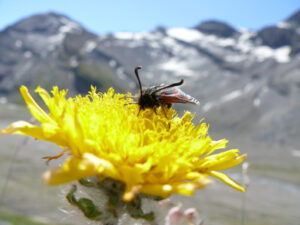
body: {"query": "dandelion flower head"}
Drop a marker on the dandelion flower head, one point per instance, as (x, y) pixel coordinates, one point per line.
(156, 153)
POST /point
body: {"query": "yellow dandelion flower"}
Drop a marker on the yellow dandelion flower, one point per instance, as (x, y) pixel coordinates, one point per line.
(153, 153)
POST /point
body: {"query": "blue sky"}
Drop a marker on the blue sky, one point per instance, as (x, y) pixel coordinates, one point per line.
(103, 16)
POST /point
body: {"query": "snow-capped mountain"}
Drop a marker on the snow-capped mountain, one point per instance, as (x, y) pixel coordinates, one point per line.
(247, 81)
(50, 49)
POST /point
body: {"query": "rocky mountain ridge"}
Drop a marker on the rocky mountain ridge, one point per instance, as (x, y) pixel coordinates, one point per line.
(247, 81)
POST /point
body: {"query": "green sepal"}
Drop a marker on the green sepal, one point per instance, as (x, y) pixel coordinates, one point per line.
(86, 205)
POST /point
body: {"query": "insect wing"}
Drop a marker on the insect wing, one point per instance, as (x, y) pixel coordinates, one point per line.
(176, 95)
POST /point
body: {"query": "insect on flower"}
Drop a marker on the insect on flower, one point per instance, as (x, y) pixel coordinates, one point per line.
(161, 95)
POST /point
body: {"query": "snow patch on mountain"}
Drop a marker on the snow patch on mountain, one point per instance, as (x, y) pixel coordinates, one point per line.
(177, 67)
(124, 35)
(261, 52)
(89, 46)
(231, 96)
(184, 34)
(133, 36)
(67, 26)
(284, 25)
(197, 37)
(243, 45)
(281, 54)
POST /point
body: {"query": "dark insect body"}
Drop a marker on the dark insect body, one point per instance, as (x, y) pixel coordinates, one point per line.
(161, 95)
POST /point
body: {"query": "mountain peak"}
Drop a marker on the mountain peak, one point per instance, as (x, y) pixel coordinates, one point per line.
(295, 18)
(47, 24)
(215, 27)
(284, 34)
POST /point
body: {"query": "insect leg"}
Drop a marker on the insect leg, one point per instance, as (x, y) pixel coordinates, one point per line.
(163, 109)
(49, 158)
(154, 110)
(139, 111)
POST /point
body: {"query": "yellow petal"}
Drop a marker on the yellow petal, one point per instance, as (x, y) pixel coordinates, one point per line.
(217, 145)
(212, 161)
(76, 168)
(44, 95)
(226, 164)
(15, 127)
(34, 108)
(227, 180)
(24, 128)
